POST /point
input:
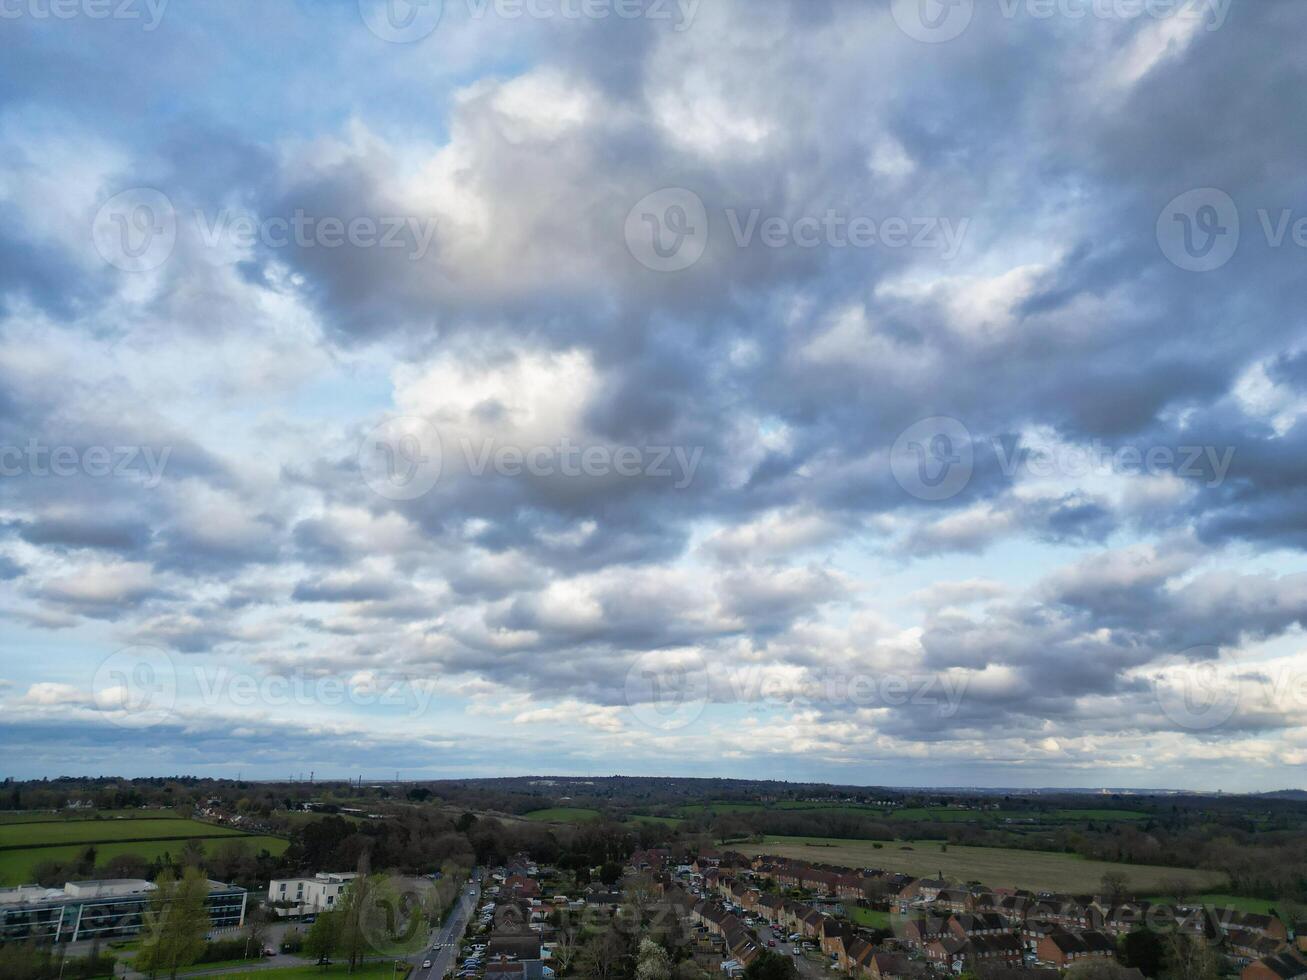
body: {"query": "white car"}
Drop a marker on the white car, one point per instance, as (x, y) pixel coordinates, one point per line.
(426, 964)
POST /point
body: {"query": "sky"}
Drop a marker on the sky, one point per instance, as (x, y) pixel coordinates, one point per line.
(898, 392)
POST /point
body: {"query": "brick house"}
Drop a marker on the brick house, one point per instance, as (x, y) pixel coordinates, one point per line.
(1283, 966)
(1063, 949)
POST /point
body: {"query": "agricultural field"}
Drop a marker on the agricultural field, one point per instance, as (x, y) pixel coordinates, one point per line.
(25, 844)
(994, 866)
(49, 816)
(648, 818)
(16, 865)
(563, 814)
(1261, 906)
(87, 831)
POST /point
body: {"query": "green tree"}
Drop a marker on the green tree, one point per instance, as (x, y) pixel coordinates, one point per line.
(324, 937)
(175, 924)
(1144, 950)
(610, 873)
(770, 966)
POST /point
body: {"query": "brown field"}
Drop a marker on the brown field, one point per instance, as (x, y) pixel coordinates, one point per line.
(993, 866)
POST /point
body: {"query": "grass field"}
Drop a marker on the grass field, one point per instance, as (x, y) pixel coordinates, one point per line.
(664, 821)
(995, 867)
(49, 816)
(82, 831)
(933, 814)
(1218, 900)
(871, 918)
(16, 865)
(564, 814)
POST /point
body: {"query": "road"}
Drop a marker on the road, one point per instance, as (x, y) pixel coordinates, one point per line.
(448, 935)
(807, 967)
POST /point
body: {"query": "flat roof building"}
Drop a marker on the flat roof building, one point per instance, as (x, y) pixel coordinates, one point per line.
(305, 896)
(85, 910)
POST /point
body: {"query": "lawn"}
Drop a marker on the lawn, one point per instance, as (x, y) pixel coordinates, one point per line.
(993, 866)
(871, 918)
(1100, 815)
(564, 814)
(1215, 900)
(664, 821)
(16, 865)
(368, 971)
(82, 831)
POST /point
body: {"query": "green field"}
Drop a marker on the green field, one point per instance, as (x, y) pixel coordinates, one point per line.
(664, 821)
(993, 866)
(83, 831)
(16, 865)
(49, 816)
(1216, 900)
(871, 918)
(564, 814)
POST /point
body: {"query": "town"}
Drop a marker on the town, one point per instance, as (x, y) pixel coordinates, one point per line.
(482, 881)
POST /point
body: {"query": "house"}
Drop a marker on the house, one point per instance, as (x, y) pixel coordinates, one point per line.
(888, 966)
(969, 924)
(1063, 949)
(921, 932)
(923, 890)
(953, 899)
(513, 948)
(1283, 966)
(519, 886)
(1263, 925)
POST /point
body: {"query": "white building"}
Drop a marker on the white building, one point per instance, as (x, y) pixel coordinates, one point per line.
(305, 896)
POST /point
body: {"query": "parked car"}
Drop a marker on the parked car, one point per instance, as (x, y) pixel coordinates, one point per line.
(771, 943)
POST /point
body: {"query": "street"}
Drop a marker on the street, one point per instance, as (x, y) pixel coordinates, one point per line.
(806, 966)
(448, 935)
